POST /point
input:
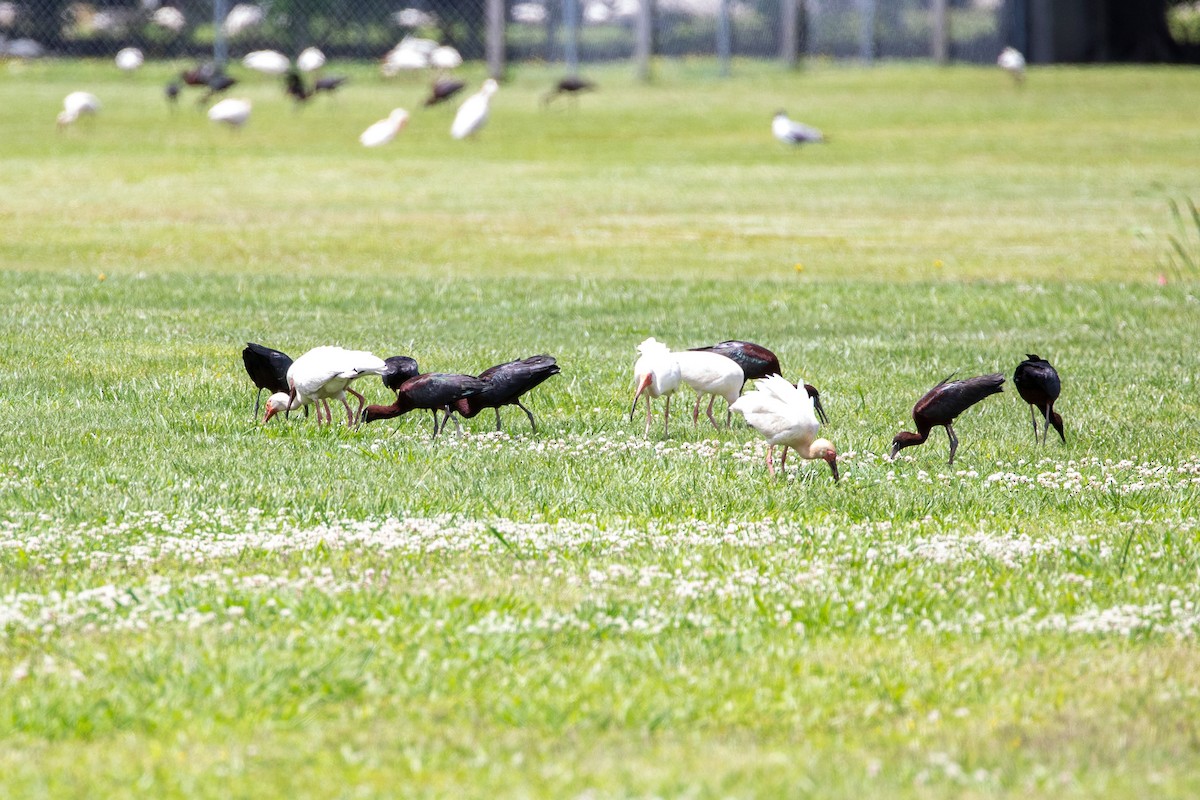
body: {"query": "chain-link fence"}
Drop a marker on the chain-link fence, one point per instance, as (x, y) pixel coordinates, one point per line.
(547, 30)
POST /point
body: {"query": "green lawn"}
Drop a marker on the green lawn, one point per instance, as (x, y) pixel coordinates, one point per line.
(192, 605)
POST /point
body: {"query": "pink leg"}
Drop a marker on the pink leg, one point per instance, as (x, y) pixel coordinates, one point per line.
(771, 460)
(712, 399)
(362, 401)
(667, 419)
(328, 413)
(696, 411)
(349, 413)
(784, 459)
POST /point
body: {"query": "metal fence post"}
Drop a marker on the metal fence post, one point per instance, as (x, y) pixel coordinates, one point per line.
(571, 29)
(220, 44)
(724, 36)
(494, 12)
(645, 39)
(940, 45)
(789, 13)
(866, 42)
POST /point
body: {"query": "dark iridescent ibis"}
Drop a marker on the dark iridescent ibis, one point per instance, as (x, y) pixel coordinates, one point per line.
(434, 391)
(397, 370)
(443, 89)
(758, 362)
(267, 368)
(200, 74)
(572, 86)
(1038, 384)
(942, 404)
(217, 84)
(171, 92)
(294, 86)
(329, 83)
(506, 383)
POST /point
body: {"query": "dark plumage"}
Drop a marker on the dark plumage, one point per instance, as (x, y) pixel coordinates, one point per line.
(942, 404)
(267, 368)
(443, 89)
(1038, 384)
(171, 92)
(293, 85)
(398, 370)
(506, 383)
(218, 83)
(200, 74)
(571, 85)
(757, 362)
(434, 391)
(329, 83)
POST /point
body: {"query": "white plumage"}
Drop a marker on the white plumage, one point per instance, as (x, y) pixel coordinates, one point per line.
(656, 373)
(310, 60)
(413, 52)
(712, 374)
(473, 113)
(232, 111)
(385, 130)
(269, 62)
(1013, 62)
(789, 131)
(129, 58)
(77, 104)
(322, 374)
(783, 415)
(445, 57)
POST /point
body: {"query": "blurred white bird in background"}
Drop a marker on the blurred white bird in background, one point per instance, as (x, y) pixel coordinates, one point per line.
(445, 57)
(232, 111)
(268, 62)
(473, 113)
(385, 130)
(1012, 62)
(310, 60)
(76, 105)
(129, 58)
(791, 132)
(412, 53)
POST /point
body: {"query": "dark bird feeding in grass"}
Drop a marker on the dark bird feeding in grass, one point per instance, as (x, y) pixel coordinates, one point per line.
(294, 86)
(942, 404)
(329, 83)
(267, 368)
(1038, 384)
(434, 391)
(443, 89)
(171, 92)
(398, 369)
(572, 86)
(505, 384)
(216, 84)
(758, 362)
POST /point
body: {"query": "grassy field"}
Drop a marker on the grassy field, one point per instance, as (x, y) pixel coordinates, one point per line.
(192, 605)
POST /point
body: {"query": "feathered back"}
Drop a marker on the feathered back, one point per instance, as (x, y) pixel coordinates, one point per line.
(652, 347)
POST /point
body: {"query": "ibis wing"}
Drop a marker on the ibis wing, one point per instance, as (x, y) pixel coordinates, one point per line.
(944, 402)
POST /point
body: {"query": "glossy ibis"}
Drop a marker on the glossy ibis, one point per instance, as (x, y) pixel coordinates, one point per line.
(268, 62)
(505, 384)
(200, 74)
(710, 374)
(232, 111)
(572, 86)
(443, 89)
(791, 132)
(783, 414)
(757, 362)
(473, 113)
(171, 92)
(1012, 61)
(657, 374)
(382, 132)
(310, 60)
(398, 369)
(328, 83)
(1038, 384)
(217, 84)
(942, 404)
(129, 59)
(76, 105)
(267, 368)
(433, 391)
(321, 374)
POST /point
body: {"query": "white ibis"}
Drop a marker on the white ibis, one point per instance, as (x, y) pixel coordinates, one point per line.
(232, 111)
(759, 362)
(784, 415)
(129, 59)
(445, 57)
(268, 62)
(710, 374)
(310, 60)
(1038, 384)
(473, 113)
(382, 132)
(656, 373)
(942, 404)
(1013, 62)
(321, 374)
(791, 132)
(76, 105)
(411, 53)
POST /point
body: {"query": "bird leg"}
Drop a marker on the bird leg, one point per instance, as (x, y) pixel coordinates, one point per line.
(667, 419)
(1033, 421)
(647, 433)
(1046, 427)
(783, 460)
(498, 418)
(696, 411)
(257, 397)
(435, 422)
(712, 399)
(953, 442)
(528, 413)
(349, 414)
(771, 460)
(328, 413)
(362, 401)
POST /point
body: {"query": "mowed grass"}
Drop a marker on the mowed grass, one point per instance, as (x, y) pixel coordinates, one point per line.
(192, 605)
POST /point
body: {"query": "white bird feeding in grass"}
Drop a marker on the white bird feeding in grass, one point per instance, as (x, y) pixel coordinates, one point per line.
(783, 415)
(76, 105)
(268, 62)
(128, 59)
(310, 60)
(232, 111)
(1013, 62)
(789, 131)
(473, 113)
(445, 57)
(712, 374)
(385, 130)
(322, 374)
(656, 373)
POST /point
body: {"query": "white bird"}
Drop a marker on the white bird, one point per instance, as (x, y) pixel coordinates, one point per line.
(791, 132)
(1012, 62)
(413, 52)
(310, 60)
(322, 374)
(656, 373)
(473, 113)
(77, 104)
(269, 62)
(232, 111)
(445, 57)
(129, 58)
(385, 130)
(783, 415)
(712, 374)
